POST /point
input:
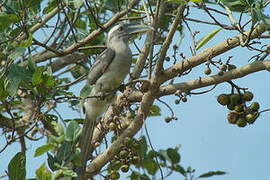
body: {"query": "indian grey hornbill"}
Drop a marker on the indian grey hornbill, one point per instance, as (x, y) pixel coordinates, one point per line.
(106, 75)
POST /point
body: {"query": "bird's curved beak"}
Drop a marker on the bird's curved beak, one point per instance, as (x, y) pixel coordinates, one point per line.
(136, 28)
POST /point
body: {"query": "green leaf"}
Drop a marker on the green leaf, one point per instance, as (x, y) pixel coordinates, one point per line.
(43, 173)
(51, 162)
(73, 131)
(173, 155)
(31, 64)
(154, 111)
(180, 169)
(18, 52)
(81, 24)
(3, 92)
(212, 173)
(137, 176)
(26, 43)
(207, 38)
(49, 81)
(43, 149)
(16, 167)
(150, 165)
(238, 5)
(37, 76)
(6, 20)
(51, 5)
(143, 146)
(16, 74)
(65, 151)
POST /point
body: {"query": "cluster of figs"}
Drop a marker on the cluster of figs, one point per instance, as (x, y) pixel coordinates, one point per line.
(127, 156)
(240, 114)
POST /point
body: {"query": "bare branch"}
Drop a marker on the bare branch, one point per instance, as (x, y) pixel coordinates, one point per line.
(168, 40)
(216, 79)
(211, 52)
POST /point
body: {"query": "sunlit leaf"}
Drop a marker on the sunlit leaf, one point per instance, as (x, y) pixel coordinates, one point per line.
(37, 76)
(43, 173)
(43, 149)
(27, 42)
(207, 38)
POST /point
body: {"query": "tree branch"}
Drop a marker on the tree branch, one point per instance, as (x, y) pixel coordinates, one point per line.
(88, 38)
(94, 167)
(215, 79)
(40, 24)
(168, 40)
(211, 52)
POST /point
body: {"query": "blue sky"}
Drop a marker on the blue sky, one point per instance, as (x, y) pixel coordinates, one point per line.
(207, 141)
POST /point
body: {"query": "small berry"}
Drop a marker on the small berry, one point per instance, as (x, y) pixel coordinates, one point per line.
(254, 106)
(241, 122)
(223, 99)
(232, 117)
(184, 99)
(250, 118)
(207, 71)
(248, 96)
(125, 168)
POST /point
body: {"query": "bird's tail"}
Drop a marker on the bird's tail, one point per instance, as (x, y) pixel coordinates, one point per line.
(94, 108)
(85, 143)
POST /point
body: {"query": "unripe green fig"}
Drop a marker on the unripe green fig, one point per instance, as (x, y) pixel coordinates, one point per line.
(135, 160)
(241, 122)
(223, 99)
(250, 118)
(238, 108)
(123, 154)
(235, 98)
(230, 106)
(254, 106)
(248, 96)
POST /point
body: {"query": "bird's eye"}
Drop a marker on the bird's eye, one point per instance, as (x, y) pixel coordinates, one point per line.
(120, 29)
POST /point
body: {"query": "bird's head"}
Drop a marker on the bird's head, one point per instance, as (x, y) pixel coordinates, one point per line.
(123, 32)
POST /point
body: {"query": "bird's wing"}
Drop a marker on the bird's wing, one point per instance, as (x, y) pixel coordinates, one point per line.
(102, 63)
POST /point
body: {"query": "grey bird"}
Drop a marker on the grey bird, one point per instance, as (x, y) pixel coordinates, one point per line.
(106, 75)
